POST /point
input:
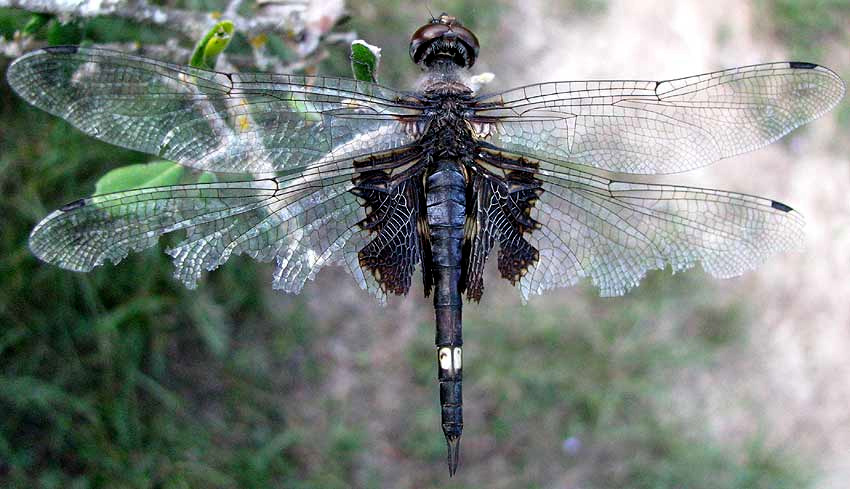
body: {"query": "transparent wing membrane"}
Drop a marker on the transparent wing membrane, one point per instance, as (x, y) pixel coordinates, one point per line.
(354, 156)
(302, 223)
(84, 234)
(658, 127)
(380, 182)
(241, 122)
(613, 231)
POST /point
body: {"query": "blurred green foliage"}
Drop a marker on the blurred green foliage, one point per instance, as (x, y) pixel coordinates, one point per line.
(806, 26)
(36, 22)
(122, 378)
(583, 386)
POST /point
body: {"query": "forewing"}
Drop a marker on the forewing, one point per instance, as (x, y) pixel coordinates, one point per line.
(302, 223)
(614, 231)
(658, 127)
(241, 122)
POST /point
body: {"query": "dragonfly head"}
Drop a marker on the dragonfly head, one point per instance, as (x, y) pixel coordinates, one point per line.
(444, 40)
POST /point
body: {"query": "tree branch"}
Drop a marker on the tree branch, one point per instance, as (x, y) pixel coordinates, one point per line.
(302, 23)
(288, 18)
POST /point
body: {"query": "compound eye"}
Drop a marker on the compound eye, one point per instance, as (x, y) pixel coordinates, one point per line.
(424, 35)
(467, 37)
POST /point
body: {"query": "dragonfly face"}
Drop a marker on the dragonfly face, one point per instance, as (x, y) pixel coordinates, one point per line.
(381, 181)
(444, 39)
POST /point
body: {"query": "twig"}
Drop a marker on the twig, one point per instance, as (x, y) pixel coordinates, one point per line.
(232, 9)
(171, 51)
(344, 38)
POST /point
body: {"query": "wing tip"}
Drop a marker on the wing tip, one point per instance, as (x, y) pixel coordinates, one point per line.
(780, 206)
(21, 60)
(70, 206)
(803, 65)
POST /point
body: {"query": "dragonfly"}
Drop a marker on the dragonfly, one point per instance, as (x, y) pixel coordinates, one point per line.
(382, 182)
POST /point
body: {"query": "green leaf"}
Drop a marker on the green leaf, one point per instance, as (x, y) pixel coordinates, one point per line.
(163, 173)
(365, 60)
(207, 50)
(36, 22)
(59, 33)
(143, 175)
(207, 177)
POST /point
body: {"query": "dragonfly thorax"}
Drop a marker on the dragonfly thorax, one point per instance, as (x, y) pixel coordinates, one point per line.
(448, 135)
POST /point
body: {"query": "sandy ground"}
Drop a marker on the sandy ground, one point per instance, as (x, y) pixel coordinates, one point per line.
(792, 383)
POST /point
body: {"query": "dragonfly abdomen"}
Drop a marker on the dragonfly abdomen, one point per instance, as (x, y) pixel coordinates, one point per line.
(446, 200)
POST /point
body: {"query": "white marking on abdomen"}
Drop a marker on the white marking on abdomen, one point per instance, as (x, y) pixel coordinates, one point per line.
(450, 359)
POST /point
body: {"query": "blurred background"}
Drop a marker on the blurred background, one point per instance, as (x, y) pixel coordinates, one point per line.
(122, 378)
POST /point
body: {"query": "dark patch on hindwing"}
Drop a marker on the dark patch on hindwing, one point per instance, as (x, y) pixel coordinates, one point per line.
(500, 210)
(425, 240)
(394, 215)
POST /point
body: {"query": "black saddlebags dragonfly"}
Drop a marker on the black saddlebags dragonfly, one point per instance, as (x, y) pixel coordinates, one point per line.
(381, 181)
